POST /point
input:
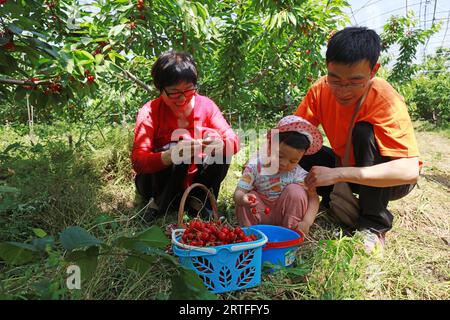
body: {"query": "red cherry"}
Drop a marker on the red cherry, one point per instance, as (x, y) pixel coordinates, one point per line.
(55, 87)
(308, 51)
(10, 46)
(254, 210)
(87, 72)
(91, 79)
(267, 211)
(3, 1)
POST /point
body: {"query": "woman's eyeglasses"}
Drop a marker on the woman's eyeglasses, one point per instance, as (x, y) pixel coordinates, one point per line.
(176, 95)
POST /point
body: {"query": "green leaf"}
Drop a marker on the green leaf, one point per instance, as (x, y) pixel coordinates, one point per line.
(140, 263)
(16, 253)
(83, 55)
(87, 260)
(188, 286)
(116, 30)
(70, 65)
(47, 289)
(143, 248)
(201, 10)
(43, 243)
(77, 237)
(113, 55)
(292, 18)
(39, 232)
(153, 237)
(6, 189)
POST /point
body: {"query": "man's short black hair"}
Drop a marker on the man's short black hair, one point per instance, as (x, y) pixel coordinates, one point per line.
(354, 44)
(295, 140)
(174, 67)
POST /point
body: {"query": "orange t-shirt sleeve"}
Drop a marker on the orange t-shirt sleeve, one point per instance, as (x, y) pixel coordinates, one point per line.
(393, 130)
(307, 109)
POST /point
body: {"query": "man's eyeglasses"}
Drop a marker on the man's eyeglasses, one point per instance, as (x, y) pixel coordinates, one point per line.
(338, 85)
(176, 95)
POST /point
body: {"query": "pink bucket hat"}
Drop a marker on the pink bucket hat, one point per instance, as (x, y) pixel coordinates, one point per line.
(298, 124)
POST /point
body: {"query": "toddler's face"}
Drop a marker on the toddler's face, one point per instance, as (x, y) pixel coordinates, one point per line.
(289, 157)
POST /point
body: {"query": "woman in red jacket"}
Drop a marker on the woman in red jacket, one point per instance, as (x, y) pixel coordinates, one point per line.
(171, 135)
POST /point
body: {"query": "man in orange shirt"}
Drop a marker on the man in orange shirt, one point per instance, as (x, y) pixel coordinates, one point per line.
(384, 163)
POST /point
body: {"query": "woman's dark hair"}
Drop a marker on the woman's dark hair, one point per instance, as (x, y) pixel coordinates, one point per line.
(295, 140)
(352, 45)
(173, 67)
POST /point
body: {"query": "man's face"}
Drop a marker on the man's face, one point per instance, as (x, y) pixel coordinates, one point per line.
(349, 82)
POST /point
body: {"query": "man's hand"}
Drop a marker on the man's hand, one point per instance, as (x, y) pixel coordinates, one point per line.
(323, 176)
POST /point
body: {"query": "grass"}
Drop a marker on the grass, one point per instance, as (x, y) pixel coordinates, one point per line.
(64, 184)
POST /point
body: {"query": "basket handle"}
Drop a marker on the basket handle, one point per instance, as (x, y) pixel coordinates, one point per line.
(210, 195)
(252, 244)
(186, 246)
(237, 247)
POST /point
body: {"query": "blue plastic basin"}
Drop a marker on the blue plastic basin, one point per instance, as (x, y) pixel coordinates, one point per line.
(282, 245)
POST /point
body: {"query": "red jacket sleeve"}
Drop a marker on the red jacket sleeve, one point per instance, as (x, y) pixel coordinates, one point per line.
(143, 158)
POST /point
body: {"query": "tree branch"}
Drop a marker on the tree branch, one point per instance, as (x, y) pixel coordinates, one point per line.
(261, 74)
(24, 82)
(140, 83)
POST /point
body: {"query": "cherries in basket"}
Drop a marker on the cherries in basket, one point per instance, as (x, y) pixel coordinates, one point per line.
(213, 233)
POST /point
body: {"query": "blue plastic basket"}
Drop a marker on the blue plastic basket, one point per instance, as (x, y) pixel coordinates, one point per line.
(282, 245)
(224, 268)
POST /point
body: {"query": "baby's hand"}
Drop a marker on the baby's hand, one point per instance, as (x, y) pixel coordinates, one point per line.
(303, 227)
(249, 200)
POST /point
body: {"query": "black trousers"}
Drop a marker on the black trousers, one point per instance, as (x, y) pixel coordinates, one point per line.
(373, 201)
(165, 186)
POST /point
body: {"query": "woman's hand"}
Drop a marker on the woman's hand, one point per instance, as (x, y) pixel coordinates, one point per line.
(213, 145)
(183, 152)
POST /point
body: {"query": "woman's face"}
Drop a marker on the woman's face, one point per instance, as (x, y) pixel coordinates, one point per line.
(179, 96)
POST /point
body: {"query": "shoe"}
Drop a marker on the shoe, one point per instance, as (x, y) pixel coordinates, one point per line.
(371, 240)
(150, 215)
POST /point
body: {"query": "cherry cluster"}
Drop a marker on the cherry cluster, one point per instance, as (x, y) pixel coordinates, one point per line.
(90, 78)
(213, 233)
(254, 210)
(34, 80)
(99, 48)
(141, 9)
